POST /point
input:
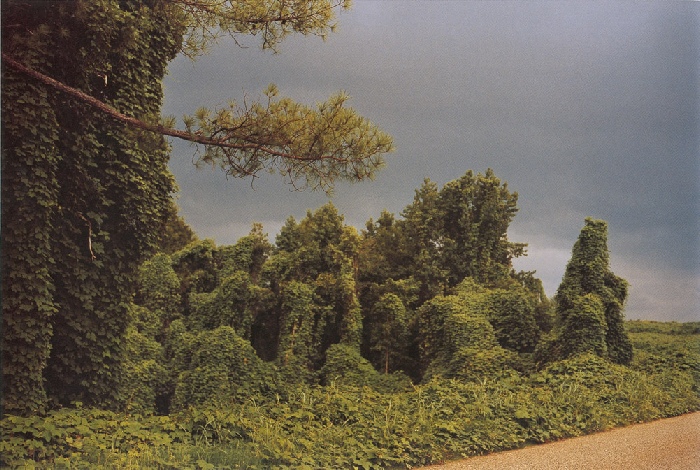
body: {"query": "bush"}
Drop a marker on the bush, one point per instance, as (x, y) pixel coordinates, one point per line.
(345, 366)
(223, 367)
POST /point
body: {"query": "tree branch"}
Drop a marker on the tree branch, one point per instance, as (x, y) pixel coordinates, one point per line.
(157, 128)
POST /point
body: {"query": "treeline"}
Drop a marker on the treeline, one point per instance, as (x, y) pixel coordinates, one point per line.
(333, 348)
(86, 189)
(431, 293)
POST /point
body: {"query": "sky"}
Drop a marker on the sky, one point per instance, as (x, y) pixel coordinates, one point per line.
(585, 108)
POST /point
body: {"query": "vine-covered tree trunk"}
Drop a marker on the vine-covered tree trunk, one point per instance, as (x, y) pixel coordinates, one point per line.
(83, 197)
(85, 183)
(29, 131)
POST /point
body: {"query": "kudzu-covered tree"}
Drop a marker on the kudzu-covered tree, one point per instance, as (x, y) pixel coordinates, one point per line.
(590, 300)
(513, 314)
(158, 290)
(85, 184)
(83, 195)
(389, 334)
(319, 255)
(219, 365)
(457, 341)
(474, 213)
(422, 231)
(445, 236)
(175, 234)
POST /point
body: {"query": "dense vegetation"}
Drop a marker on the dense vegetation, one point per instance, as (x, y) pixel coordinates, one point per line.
(318, 351)
(128, 342)
(344, 425)
(85, 183)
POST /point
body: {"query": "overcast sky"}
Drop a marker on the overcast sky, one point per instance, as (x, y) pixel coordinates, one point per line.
(586, 108)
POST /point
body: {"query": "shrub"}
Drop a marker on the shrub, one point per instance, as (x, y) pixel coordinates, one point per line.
(223, 366)
(345, 366)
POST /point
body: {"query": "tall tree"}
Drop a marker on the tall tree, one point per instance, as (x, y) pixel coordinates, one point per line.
(82, 196)
(447, 235)
(475, 213)
(313, 274)
(85, 184)
(422, 227)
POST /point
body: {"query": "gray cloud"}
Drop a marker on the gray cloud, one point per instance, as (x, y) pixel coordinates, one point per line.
(585, 108)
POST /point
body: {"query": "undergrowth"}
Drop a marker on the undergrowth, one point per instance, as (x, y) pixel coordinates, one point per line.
(345, 426)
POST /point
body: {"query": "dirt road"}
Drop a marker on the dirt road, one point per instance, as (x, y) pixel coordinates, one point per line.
(668, 444)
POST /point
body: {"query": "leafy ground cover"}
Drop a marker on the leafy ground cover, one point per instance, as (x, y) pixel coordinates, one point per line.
(344, 425)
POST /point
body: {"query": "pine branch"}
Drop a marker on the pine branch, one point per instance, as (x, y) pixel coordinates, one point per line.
(158, 128)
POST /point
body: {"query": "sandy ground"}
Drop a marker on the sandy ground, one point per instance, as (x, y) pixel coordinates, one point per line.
(667, 444)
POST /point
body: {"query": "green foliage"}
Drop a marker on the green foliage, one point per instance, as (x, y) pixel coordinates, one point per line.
(84, 438)
(544, 307)
(584, 328)
(233, 339)
(476, 212)
(457, 341)
(511, 311)
(248, 254)
(366, 426)
(590, 300)
(298, 344)
(447, 235)
(226, 305)
(345, 366)
(662, 328)
(664, 347)
(308, 147)
(207, 20)
(222, 366)
(159, 288)
(384, 253)
(196, 267)
(319, 253)
(421, 226)
(145, 374)
(86, 198)
(389, 335)
(30, 129)
(87, 194)
(175, 234)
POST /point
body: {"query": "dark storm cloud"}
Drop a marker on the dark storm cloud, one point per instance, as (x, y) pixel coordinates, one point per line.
(585, 108)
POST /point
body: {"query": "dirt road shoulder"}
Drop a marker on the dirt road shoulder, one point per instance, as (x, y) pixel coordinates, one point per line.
(669, 444)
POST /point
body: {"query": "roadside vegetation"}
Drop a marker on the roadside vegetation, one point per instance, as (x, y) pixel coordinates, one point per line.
(351, 426)
(333, 348)
(127, 342)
